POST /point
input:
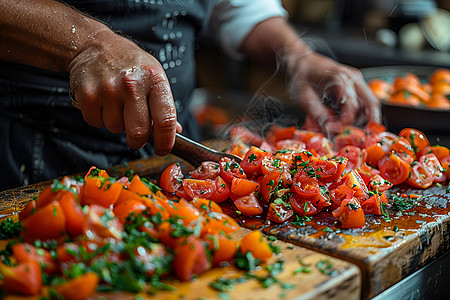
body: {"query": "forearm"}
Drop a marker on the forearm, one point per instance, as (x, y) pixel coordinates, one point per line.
(271, 38)
(44, 33)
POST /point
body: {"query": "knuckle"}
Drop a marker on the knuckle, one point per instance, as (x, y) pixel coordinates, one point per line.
(139, 133)
(167, 123)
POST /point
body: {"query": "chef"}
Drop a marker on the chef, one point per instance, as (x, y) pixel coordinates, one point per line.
(129, 66)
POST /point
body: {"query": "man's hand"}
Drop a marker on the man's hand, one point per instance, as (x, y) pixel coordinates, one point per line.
(122, 87)
(332, 94)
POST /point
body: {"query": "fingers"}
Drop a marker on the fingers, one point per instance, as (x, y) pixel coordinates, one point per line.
(163, 112)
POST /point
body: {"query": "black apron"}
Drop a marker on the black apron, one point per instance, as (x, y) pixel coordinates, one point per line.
(42, 136)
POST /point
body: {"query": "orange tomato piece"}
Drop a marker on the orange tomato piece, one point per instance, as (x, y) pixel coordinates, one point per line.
(373, 154)
(49, 222)
(249, 205)
(222, 190)
(171, 178)
(242, 187)
(416, 139)
(255, 243)
(350, 214)
(190, 259)
(420, 176)
(205, 205)
(126, 208)
(80, 287)
(268, 184)
(393, 169)
(75, 218)
(382, 89)
(203, 188)
(100, 191)
(26, 252)
(138, 186)
(372, 206)
(25, 278)
(251, 163)
(223, 248)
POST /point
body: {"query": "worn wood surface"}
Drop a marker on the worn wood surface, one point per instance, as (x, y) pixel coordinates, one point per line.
(345, 283)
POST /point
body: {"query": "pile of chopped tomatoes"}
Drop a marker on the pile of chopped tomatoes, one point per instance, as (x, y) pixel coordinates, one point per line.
(297, 172)
(409, 90)
(101, 233)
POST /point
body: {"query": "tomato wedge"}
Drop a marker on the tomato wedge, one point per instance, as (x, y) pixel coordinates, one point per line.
(350, 214)
(25, 278)
(304, 185)
(393, 169)
(251, 163)
(416, 139)
(434, 166)
(222, 190)
(249, 205)
(255, 243)
(303, 206)
(229, 168)
(420, 176)
(80, 287)
(171, 178)
(190, 259)
(269, 184)
(207, 170)
(242, 187)
(199, 188)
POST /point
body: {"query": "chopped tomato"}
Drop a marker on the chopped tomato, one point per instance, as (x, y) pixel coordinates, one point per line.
(207, 170)
(355, 182)
(199, 188)
(285, 156)
(372, 206)
(326, 170)
(268, 184)
(402, 146)
(26, 252)
(373, 154)
(242, 187)
(190, 259)
(49, 222)
(339, 194)
(185, 211)
(294, 145)
(304, 185)
(350, 214)
(25, 278)
(218, 222)
(277, 133)
(223, 248)
(382, 89)
(373, 128)
(379, 184)
(351, 135)
(75, 217)
(251, 163)
(125, 208)
(416, 139)
(431, 162)
(100, 191)
(255, 243)
(393, 169)
(248, 205)
(138, 186)
(80, 287)
(229, 168)
(441, 152)
(171, 178)
(320, 145)
(222, 190)
(354, 156)
(205, 205)
(420, 176)
(280, 210)
(302, 206)
(101, 223)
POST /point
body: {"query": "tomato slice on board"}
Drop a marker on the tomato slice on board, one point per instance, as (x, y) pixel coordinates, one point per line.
(393, 169)
(242, 187)
(171, 178)
(229, 168)
(373, 154)
(75, 218)
(354, 156)
(125, 208)
(205, 205)
(372, 206)
(420, 176)
(303, 206)
(304, 185)
(80, 287)
(269, 184)
(351, 135)
(402, 146)
(354, 182)
(255, 243)
(25, 278)
(416, 139)
(100, 191)
(379, 184)
(190, 259)
(49, 222)
(222, 192)
(350, 214)
(199, 188)
(207, 170)
(249, 205)
(26, 252)
(251, 163)
(434, 166)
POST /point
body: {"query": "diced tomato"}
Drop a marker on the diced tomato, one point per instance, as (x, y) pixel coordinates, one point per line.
(171, 178)
(100, 191)
(431, 162)
(101, 223)
(218, 222)
(280, 209)
(185, 211)
(302, 206)
(249, 205)
(379, 184)
(294, 145)
(351, 135)
(402, 146)
(372, 206)
(80, 287)
(277, 133)
(268, 184)
(271, 164)
(326, 170)
(304, 185)
(354, 157)
(25, 278)
(373, 154)
(416, 139)
(242, 187)
(320, 145)
(339, 194)
(205, 205)
(138, 186)
(75, 218)
(207, 170)
(350, 214)
(393, 169)
(199, 188)
(229, 168)
(26, 252)
(255, 243)
(441, 152)
(49, 222)
(245, 135)
(373, 128)
(355, 182)
(127, 207)
(190, 259)
(420, 176)
(223, 248)
(222, 190)
(251, 163)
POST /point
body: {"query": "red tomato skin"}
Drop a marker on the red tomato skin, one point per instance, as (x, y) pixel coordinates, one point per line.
(242, 187)
(279, 212)
(350, 214)
(300, 207)
(268, 183)
(199, 188)
(420, 176)
(393, 169)
(171, 177)
(251, 163)
(431, 162)
(416, 138)
(207, 170)
(25, 278)
(75, 217)
(190, 259)
(229, 169)
(354, 155)
(222, 192)
(249, 205)
(80, 287)
(125, 208)
(26, 252)
(372, 206)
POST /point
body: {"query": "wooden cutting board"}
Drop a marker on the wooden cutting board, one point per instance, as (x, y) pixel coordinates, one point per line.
(343, 283)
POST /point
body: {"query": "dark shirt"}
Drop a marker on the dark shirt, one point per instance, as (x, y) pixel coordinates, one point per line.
(42, 136)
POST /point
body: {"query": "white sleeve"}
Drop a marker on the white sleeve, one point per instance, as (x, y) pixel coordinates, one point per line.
(233, 20)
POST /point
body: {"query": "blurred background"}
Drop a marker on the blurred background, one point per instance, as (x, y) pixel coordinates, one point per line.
(364, 34)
